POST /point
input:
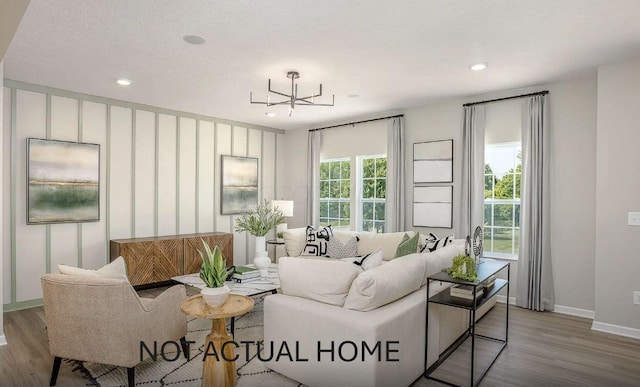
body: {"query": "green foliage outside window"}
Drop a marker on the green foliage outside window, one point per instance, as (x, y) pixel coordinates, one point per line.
(374, 192)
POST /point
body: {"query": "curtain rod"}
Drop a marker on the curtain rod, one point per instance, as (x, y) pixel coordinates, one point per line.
(358, 122)
(506, 98)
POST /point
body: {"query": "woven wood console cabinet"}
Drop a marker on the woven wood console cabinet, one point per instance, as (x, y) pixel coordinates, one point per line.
(155, 260)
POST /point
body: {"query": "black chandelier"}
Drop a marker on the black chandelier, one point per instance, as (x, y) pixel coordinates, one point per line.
(292, 99)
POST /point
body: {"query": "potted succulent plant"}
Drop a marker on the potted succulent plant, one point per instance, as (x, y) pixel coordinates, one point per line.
(214, 272)
(258, 223)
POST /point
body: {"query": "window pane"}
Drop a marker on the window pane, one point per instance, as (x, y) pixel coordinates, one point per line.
(503, 215)
(368, 188)
(334, 188)
(516, 240)
(381, 188)
(488, 186)
(487, 240)
(346, 169)
(324, 221)
(345, 189)
(335, 170)
(333, 222)
(517, 210)
(368, 168)
(344, 210)
(518, 183)
(381, 167)
(502, 240)
(324, 189)
(324, 209)
(379, 226)
(379, 211)
(367, 225)
(334, 209)
(487, 215)
(367, 211)
(324, 171)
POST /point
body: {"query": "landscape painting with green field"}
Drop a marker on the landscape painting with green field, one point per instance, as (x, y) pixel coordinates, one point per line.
(63, 181)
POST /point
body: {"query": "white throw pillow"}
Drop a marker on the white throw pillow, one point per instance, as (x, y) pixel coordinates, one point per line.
(116, 269)
(294, 240)
(370, 260)
(386, 283)
(326, 281)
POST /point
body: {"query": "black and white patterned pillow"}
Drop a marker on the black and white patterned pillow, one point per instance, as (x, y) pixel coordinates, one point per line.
(317, 240)
(434, 243)
(337, 249)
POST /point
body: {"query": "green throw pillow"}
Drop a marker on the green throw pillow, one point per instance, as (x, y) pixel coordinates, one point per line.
(408, 245)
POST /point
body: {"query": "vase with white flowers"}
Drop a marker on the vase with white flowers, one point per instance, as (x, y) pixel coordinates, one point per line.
(258, 222)
(214, 272)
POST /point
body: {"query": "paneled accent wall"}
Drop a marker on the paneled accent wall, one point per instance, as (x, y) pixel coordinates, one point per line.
(159, 175)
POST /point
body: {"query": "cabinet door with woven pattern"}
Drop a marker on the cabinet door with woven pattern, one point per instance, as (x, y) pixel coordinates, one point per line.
(168, 260)
(139, 259)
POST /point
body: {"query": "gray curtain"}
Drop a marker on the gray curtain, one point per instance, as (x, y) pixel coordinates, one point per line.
(471, 192)
(535, 282)
(313, 177)
(395, 209)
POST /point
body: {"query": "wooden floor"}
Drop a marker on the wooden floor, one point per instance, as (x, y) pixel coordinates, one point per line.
(545, 349)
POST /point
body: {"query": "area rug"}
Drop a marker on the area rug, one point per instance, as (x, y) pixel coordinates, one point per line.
(183, 373)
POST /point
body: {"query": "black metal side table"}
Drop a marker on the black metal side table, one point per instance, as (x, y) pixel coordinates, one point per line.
(485, 270)
(275, 243)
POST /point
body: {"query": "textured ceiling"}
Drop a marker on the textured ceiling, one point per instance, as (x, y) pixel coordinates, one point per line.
(394, 54)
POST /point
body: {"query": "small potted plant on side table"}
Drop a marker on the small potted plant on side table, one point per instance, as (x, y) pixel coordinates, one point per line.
(214, 272)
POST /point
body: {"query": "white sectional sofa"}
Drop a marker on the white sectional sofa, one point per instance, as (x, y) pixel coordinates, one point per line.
(316, 308)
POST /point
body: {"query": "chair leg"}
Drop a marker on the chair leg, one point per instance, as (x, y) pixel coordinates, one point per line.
(131, 375)
(185, 347)
(54, 371)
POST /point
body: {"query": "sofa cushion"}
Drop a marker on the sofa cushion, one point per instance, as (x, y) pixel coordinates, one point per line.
(316, 244)
(387, 283)
(116, 269)
(408, 245)
(294, 241)
(326, 281)
(388, 242)
(441, 259)
(338, 249)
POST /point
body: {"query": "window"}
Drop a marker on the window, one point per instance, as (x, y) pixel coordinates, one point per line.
(335, 193)
(503, 171)
(373, 192)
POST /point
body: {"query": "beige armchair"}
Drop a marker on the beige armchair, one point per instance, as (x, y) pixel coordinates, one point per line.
(103, 320)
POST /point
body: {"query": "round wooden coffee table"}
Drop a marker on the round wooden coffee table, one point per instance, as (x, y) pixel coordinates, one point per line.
(220, 370)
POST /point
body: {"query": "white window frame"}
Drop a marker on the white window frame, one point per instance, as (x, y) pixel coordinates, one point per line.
(359, 189)
(340, 201)
(488, 243)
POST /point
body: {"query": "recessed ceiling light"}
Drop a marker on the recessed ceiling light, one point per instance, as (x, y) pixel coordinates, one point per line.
(270, 114)
(123, 81)
(478, 66)
(353, 95)
(194, 39)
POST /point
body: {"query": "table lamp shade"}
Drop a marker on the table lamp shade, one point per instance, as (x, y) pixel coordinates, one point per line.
(286, 206)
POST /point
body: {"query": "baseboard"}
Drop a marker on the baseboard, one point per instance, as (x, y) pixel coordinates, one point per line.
(574, 311)
(503, 299)
(616, 329)
(3, 340)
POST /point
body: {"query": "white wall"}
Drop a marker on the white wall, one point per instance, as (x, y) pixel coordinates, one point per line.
(573, 142)
(160, 175)
(618, 184)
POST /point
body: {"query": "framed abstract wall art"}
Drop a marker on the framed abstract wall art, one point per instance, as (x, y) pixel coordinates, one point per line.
(432, 206)
(63, 181)
(433, 162)
(239, 184)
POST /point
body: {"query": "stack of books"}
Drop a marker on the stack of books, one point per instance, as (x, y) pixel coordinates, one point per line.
(489, 282)
(466, 291)
(246, 274)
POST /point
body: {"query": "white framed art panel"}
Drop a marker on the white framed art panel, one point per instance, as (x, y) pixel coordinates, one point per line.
(433, 207)
(433, 162)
